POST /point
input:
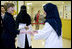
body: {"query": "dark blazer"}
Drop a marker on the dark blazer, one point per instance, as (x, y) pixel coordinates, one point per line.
(1, 28)
(9, 27)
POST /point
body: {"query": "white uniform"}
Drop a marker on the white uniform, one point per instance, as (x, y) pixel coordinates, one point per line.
(21, 37)
(49, 35)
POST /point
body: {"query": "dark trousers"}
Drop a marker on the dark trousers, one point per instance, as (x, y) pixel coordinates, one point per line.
(8, 43)
(1, 43)
(26, 42)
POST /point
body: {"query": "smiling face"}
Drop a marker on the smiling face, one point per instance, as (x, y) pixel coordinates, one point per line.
(9, 7)
(11, 10)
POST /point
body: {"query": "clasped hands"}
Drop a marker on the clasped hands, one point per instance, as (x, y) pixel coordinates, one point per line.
(32, 32)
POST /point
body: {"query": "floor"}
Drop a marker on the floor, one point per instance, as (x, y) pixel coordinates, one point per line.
(40, 43)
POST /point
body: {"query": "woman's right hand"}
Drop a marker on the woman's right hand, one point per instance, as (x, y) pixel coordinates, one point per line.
(32, 32)
(23, 31)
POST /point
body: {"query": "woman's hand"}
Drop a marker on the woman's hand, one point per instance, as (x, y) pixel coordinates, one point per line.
(29, 32)
(35, 31)
(26, 27)
(23, 31)
(32, 32)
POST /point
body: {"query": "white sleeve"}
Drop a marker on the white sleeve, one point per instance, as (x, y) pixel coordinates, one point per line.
(44, 33)
(30, 27)
(21, 26)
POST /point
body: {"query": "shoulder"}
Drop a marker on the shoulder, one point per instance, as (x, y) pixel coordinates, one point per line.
(8, 17)
(28, 16)
(48, 25)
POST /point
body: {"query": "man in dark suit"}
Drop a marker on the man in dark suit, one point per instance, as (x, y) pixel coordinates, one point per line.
(1, 30)
(1, 25)
(9, 28)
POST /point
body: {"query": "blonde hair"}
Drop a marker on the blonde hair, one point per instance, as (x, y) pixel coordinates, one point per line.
(8, 5)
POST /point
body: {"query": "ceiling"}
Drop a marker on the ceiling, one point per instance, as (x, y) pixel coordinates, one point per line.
(40, 3)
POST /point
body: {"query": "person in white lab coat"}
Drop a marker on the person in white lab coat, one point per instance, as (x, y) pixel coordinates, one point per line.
(23, 20)
(52, 28)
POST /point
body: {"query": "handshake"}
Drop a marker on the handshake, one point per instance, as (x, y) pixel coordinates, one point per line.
(26, 30)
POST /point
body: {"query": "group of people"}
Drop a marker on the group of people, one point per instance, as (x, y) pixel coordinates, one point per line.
(22, 27)
(39, 19)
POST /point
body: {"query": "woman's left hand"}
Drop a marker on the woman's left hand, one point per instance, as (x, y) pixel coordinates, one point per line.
(26, 27)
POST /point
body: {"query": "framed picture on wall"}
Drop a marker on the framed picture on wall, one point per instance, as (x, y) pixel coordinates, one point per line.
(67, 11)
(60, 9)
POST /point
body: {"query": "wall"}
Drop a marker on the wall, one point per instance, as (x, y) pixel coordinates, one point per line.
(66, 23)
(20, 3)
(66, 28)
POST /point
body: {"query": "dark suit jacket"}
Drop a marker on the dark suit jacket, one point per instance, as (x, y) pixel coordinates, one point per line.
(9, 27)
(1, 28)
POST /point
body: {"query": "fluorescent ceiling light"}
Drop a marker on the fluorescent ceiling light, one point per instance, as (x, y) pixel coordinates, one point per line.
(43, 4)
(29, 3)
(48, 1)
(7, 1)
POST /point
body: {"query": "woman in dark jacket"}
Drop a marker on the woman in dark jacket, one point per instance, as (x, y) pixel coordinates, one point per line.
(9, 28)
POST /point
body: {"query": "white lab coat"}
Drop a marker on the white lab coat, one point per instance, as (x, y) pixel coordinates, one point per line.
(49, 35)
(21, 37)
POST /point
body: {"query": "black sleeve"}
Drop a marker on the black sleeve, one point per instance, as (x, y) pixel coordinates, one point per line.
(17, 22)
(1, 26)
(11, 26)
(28, 20)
